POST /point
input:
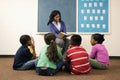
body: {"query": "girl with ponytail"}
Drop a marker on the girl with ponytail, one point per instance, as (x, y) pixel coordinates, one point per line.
(50, 58)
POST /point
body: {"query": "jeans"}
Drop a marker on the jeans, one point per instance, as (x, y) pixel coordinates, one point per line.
(49, 71)
(28, 65)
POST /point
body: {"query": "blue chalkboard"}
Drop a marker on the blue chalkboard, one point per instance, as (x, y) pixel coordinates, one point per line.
(67, 9)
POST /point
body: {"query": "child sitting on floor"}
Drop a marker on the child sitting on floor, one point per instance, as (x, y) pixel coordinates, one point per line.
(25, 57)
(99, 58)
(50, 57)
(77, 57)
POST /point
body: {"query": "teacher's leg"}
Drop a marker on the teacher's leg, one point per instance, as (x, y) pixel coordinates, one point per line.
(66, 45)
(60, 42)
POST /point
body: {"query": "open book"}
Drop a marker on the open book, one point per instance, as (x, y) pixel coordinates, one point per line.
(62, 35)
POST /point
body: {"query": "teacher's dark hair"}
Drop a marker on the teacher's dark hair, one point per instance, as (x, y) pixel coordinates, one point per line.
(52, 15)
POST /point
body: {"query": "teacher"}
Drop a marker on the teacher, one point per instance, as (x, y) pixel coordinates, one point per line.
(56, 25)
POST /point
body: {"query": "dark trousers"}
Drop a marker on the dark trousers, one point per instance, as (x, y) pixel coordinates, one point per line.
(49, 71)
(67, 67)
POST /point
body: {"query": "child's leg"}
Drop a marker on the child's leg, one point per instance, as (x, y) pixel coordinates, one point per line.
(54, 71)
(49, 71)
(36, 63)
(67, 67)
(95, 64)
(28, 65)
(42, 72)
(59, 66)
(45, 72)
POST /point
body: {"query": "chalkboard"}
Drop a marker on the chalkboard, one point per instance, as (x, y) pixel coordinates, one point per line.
(67, 9)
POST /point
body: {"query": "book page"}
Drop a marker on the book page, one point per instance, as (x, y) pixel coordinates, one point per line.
(62, 35)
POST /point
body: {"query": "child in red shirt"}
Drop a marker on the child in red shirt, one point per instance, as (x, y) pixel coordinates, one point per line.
(77, 60)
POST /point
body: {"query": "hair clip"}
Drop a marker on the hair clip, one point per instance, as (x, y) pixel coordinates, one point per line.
(51, 41)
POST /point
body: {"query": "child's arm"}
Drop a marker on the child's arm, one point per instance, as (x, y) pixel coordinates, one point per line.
(93, 53)
(34, 53)
(66, 58)
(32, 41)
(33, 48)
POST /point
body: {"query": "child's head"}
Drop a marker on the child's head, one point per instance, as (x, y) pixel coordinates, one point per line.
(51, 52)
(75, 40)
(25, 40)
(97, 39)
(49, 37)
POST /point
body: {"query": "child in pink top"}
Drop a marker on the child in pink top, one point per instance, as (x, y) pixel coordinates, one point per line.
(99, 58)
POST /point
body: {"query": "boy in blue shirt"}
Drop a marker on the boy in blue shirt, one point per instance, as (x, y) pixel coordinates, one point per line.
(25, 57)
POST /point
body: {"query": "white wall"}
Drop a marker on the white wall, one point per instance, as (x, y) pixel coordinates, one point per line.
(19, 17)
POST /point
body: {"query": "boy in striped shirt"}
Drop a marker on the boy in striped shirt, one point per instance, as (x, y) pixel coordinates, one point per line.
(77, 60)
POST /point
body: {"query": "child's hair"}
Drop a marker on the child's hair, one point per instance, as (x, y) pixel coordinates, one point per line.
(75, 40)
(98, 37)
(24, 39)
(52, 52)
(52, 15)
